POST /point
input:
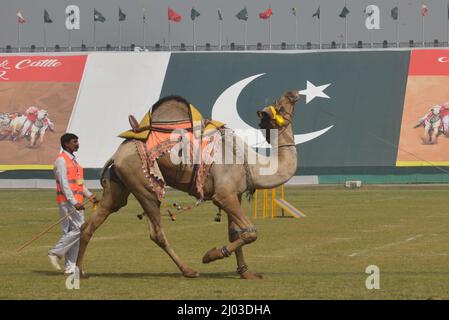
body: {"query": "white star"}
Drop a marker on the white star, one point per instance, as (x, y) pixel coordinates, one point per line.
(311, 92)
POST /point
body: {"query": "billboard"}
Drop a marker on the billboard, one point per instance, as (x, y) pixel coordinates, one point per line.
(37, 95)
(424, 137)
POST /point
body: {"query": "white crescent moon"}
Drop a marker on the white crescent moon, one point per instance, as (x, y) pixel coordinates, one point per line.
(443, 59)
(225, 110)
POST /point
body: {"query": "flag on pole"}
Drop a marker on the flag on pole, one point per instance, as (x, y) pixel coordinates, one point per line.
(448, 9)
(47, 17)
(266, 14)
(344, 13)
(121, 15)
(395, 13)
(424, 10)
(220, 16)
(20, 17)
(144, 18)
(294, 11)
(194, 14)
(173, 15)
(98, 16)
(242, 14)
(317, 13)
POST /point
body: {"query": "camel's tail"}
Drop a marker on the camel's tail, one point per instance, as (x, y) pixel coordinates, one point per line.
(106, 166)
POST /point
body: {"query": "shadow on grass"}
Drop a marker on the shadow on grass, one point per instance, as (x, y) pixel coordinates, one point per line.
(140, 275)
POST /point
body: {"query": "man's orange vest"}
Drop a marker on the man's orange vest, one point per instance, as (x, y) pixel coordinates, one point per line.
(76, 180)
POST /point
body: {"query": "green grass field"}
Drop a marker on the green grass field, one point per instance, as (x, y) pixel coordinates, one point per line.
(402, 230)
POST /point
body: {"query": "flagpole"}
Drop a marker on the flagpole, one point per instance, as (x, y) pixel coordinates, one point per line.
(269, 31)
(18, 35)
(144, 20)
(70, 40)
(220, 33)
(346, 32)
(45, 38)
(245, 34)
(119, 36)
(169, 39)
(319, 30)
(296, 30)
(95, 40)
(422, 29)
(397, 32)
(194, 46)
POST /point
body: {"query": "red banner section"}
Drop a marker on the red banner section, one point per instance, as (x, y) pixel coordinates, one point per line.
(42, 68)
(429, 63)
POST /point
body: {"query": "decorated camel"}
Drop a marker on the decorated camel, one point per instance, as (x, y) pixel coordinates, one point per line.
(224, 184)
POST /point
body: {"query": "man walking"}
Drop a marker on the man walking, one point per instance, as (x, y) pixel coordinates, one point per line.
(70, 197)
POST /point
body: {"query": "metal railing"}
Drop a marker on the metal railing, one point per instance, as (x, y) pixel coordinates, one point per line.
(227, 47)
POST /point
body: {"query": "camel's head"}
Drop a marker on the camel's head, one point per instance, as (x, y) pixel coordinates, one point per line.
(280, 113)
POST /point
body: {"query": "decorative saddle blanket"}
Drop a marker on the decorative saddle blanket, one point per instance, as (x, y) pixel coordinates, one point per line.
(195, 141)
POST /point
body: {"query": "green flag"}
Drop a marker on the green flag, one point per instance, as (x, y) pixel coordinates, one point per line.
(317, 13)
(242, 15)
(344, 12)
(194, 14)
(47, 17)
(98, 16)
(121, 15)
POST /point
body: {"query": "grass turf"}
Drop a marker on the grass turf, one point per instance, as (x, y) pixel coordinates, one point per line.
(402, 230)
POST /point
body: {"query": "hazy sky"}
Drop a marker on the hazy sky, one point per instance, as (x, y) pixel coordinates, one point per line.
(283, 22)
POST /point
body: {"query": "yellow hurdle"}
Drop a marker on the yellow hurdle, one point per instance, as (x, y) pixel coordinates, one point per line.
(275, 203)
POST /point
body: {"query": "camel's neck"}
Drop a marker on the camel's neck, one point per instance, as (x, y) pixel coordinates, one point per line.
(280, 166)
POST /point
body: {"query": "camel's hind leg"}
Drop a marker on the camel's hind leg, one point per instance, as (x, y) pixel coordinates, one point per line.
(115, 196)
(234, 234)
(151, 207)
(241, 232)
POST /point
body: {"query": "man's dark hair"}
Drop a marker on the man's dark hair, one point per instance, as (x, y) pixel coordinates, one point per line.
(66, 137)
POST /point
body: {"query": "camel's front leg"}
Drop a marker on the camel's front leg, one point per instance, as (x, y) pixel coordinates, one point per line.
(241, 232)
(151, 209)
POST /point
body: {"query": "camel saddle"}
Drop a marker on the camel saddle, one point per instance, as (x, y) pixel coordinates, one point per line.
(141, 130)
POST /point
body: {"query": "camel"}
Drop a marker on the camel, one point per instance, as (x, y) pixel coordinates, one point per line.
(225, 184)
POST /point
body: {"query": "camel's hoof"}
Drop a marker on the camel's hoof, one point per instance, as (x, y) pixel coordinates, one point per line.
(189, 273)
(212, 255)
(248, 275)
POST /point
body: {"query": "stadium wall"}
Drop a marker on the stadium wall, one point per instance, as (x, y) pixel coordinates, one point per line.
(358, 126)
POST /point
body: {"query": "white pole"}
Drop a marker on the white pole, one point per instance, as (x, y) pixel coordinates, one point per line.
(95, 39)
(18, 36)
(45, 38)
(422, 29)
(296, 31)
(70, 40)
(169, 39)
(397, 32)
(220, 33)
(346, 32)
(319, 30)
(120, 36)
(194, 45)
(269, 31)
(245, 34)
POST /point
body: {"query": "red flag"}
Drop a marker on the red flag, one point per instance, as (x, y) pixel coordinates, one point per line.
(20, 17)
(424, 10)
(266, 14)
(173, 15)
